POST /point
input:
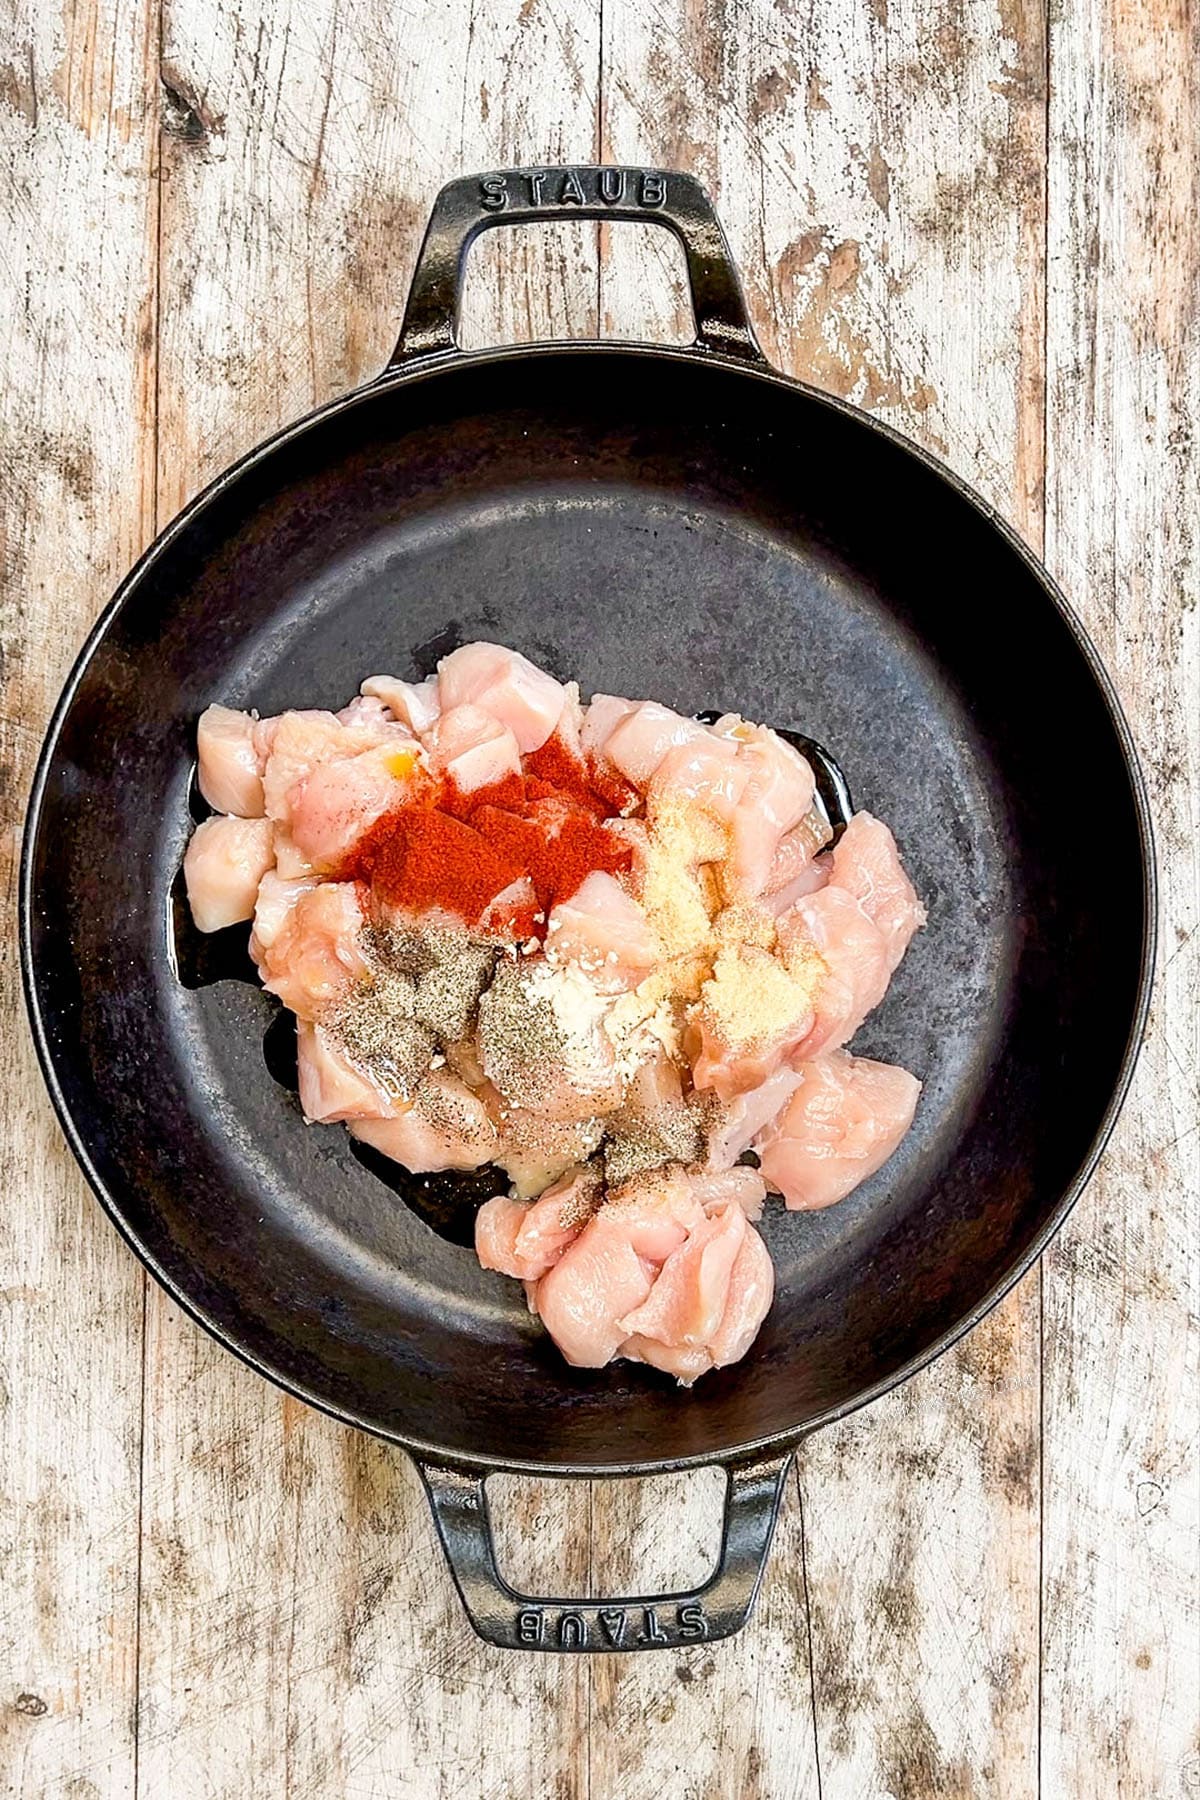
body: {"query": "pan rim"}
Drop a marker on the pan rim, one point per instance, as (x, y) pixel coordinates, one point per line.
(425, 367)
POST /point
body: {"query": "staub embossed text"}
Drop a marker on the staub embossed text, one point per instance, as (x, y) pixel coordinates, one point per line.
(646, 188)
(610, 1626)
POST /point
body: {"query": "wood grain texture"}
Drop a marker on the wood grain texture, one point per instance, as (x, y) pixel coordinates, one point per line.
(216, 205)
(300, 1633)
(77, 222)
(1121, 1611)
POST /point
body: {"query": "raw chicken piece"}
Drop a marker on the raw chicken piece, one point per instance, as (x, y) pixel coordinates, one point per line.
(795, 854)
(852, 952)
(655, 1211)
(641, 739)
(747, 1303)
(298, 742)
(230, 768)
(415, 704)
(687, 1302)
(810, 880)
(746, 1115)
(595, 1284)
(753, 1012)
(604, 931)
(777, 793)
(742, 1187)
(867, 864)
(510, 912)
(332, 807)
(600, 719)
(568, 733)
(506, 685)
(291, 864)
(223, 865)
(277, 896)
(446, 1127)
(686, 1363)
(525, 1240)
(305, 941)
(474, 748)
(331, 1087)
(365, 710)
(704, 769)
(841, 1124)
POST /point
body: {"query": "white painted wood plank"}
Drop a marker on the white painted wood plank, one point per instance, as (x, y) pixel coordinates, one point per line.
(877, 171)
(300, 1634)
(1121, 1597)
(76, 376)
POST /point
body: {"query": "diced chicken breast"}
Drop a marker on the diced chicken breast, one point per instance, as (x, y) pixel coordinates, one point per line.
(598, 1281)
(777, 793)
(747, 1302)
(601, 717)
(334, 806)
(526, 1006)
(497, 1226)
(447, 1126)
(686, 1362)
(506, 685)
(841, 1125)
(277, 896)
(365, 710)
(706, 770)
(742, 1187)
(797, 849)
(414, 704)
(639, 741)
(527, 1239)
(291, 864)
(656, 1212)
(867, 864)
(331, 1086)
(568, 733)
(603, 931)
(739, 1123)
(474, 748)
(306, 941)
(854, 954)
(510, 911)
(230, 768)
(298, 742)
(687, 1301)
(753, 1012)
(810, 880)
(225, 861)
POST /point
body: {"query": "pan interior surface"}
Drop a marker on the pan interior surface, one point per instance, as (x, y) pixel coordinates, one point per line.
(655, 527)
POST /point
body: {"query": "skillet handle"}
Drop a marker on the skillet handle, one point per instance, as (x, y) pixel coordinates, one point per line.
(513, 1621)
(476, 203)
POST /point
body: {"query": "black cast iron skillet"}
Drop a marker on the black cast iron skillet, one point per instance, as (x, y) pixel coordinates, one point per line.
(685, 524)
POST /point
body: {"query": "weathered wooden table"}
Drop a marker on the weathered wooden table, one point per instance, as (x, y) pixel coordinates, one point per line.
(983, 225)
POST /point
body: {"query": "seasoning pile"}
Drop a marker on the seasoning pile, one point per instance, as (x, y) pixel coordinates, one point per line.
(607, 949)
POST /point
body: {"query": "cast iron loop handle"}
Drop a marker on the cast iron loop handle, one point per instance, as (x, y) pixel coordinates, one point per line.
(475, 203)
(514, 1621)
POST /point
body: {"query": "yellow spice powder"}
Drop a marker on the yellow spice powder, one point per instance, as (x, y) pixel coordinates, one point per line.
(751, 998)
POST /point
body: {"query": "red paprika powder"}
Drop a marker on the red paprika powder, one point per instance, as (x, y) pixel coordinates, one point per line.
(457, 851)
